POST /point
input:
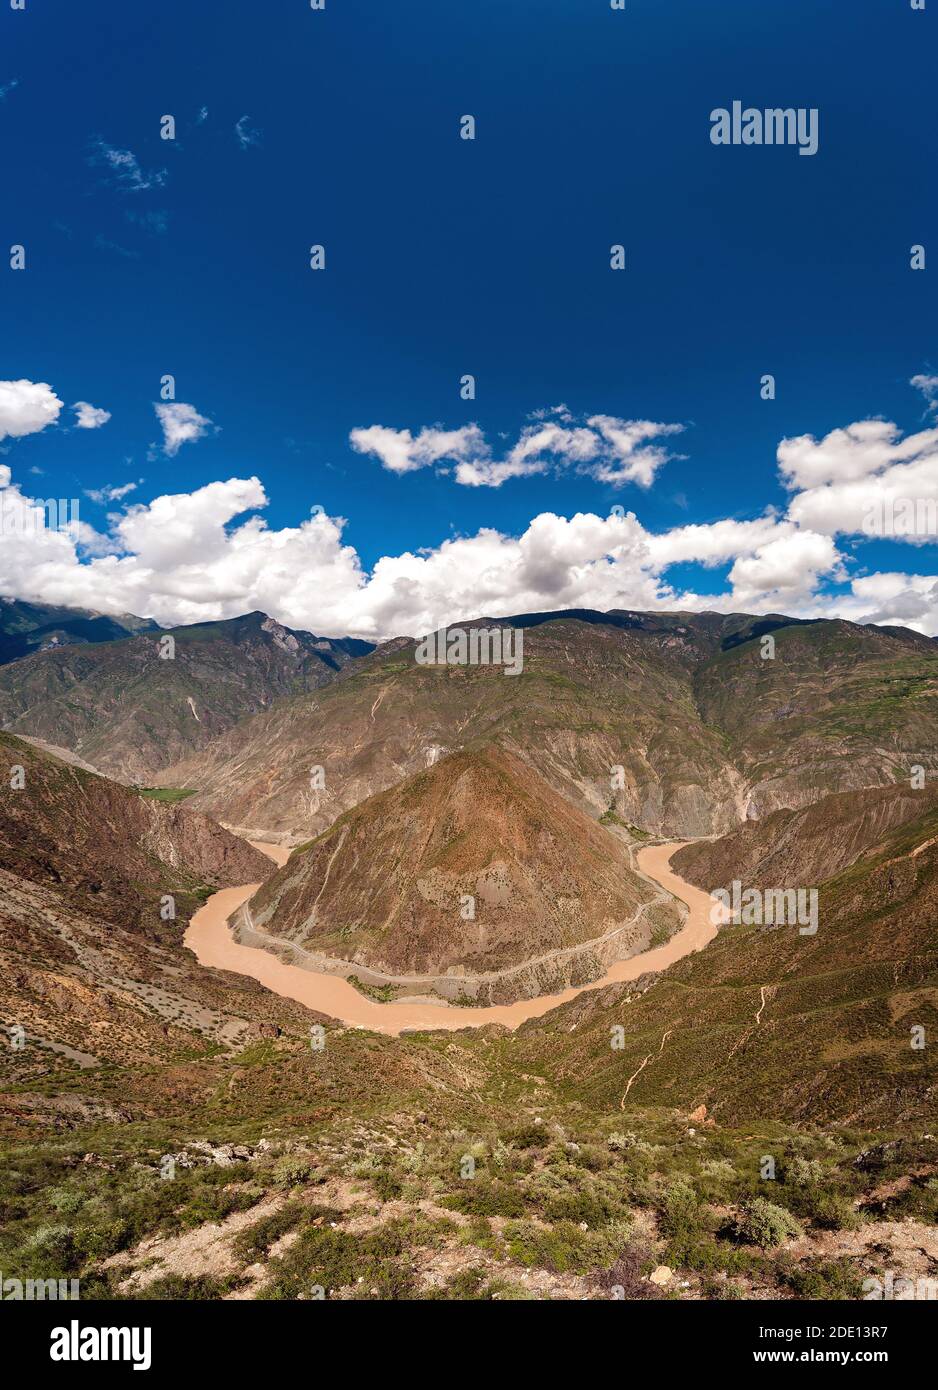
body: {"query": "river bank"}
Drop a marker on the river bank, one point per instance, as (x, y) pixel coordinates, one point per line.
(209, 938)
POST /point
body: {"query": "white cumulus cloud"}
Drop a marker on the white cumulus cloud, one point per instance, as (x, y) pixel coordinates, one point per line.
(186, 557)
(192, 556)
(402, 452)
(26, 407)
(854, 474)
(846, 455)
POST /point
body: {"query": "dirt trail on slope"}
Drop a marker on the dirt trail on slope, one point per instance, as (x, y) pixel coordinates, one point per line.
(209, 938)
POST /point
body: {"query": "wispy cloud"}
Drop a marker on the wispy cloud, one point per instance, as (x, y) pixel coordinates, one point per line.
(246, 133)
(182, 424)
(104, 243)
(604, 447)
(154, 220)
(124, 168)
(111, 492)
(7, 87)
(928, 385)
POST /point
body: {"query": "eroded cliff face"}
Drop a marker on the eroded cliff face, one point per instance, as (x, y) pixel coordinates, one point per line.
(97, 885)
(190, 840)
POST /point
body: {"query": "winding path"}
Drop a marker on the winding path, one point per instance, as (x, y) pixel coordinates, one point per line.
(208, 937)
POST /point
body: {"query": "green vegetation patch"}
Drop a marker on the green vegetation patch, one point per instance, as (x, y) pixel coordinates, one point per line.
(165, 793)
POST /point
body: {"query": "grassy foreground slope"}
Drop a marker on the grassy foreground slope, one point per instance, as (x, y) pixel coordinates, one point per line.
(430, 1168)
(767, 1021)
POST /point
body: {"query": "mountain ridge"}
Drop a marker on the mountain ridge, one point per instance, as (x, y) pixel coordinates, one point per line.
(702, 730)
(26, 627)
(128, 711)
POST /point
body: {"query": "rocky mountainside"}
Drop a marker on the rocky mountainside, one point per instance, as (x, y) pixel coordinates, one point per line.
(676, 723)
(30, 627)
(839, 707)
(104, 847)
(92, 963)
(808, 845)
(129, 711)
(767, 1021)
(473, 866)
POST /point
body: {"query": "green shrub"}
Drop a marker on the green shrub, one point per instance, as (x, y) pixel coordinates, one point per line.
(67, 1201)
(214, 1204)
(839, 1279)
(558, 1248)
(833, 1212)
(680, 1221)
(479, 1232)
(919, 1201)
(595, 1210)
(54, 1247)
(292, 1169)
(529, 1137)
(803, 1172)
(823, 1206)
(386, 1185)
(179, 1287)
(480, 1198)
(466, 1286)
(503, 1292)
(721, 1290)
(763, 1223)
(97, 1242)
(333, 1259)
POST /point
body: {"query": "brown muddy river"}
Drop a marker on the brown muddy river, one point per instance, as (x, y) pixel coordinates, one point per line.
(208, 937)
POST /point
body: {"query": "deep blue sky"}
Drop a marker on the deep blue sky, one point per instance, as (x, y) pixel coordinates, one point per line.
(446, 256)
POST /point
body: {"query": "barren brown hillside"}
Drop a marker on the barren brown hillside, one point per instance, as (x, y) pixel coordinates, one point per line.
(474, 865)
